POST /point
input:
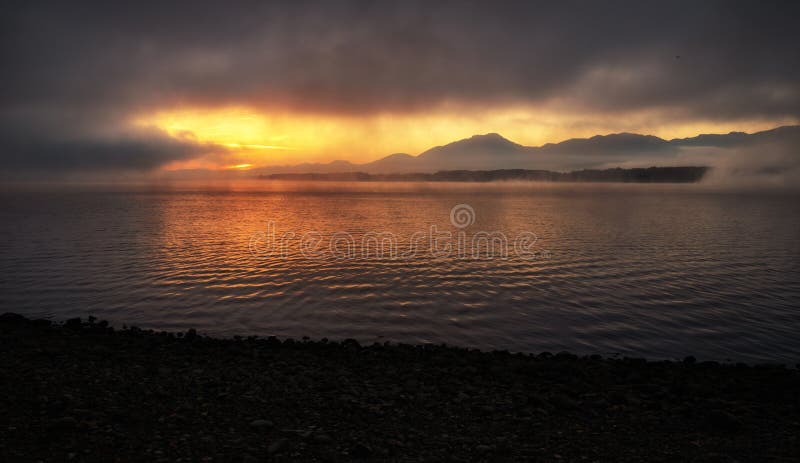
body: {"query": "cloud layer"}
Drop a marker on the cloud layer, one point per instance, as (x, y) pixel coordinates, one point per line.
(74, 72)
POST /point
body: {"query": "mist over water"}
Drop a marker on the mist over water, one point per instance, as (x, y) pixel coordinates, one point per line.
(775, 166)
(660, 271)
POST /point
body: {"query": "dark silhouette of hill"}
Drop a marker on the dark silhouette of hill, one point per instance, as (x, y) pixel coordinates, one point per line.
(637, 175)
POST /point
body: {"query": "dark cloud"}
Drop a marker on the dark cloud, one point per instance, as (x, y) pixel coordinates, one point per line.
(47, 150)
(98, 62)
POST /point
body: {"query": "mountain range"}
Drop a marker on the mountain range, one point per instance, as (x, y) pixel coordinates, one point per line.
(493, 151)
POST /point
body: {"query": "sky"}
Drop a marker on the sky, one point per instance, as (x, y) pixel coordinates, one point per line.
(153, 86)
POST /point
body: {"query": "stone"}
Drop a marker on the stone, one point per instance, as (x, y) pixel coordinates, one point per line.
(264, 424)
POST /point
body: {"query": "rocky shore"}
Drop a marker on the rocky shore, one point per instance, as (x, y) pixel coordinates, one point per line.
(83, 391)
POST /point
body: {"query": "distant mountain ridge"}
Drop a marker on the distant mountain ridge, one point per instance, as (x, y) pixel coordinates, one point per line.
(637, 175)
(492, 152)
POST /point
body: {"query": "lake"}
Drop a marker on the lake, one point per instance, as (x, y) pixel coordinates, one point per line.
(660, 271)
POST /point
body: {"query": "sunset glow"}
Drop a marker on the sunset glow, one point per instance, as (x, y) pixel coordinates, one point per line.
(262, 138)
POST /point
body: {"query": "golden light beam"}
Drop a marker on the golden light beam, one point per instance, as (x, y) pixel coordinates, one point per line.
(258, 147)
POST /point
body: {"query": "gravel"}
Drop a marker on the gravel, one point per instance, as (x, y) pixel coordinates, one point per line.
(83, 391)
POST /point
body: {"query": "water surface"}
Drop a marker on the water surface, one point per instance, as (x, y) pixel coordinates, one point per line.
(656, 271)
